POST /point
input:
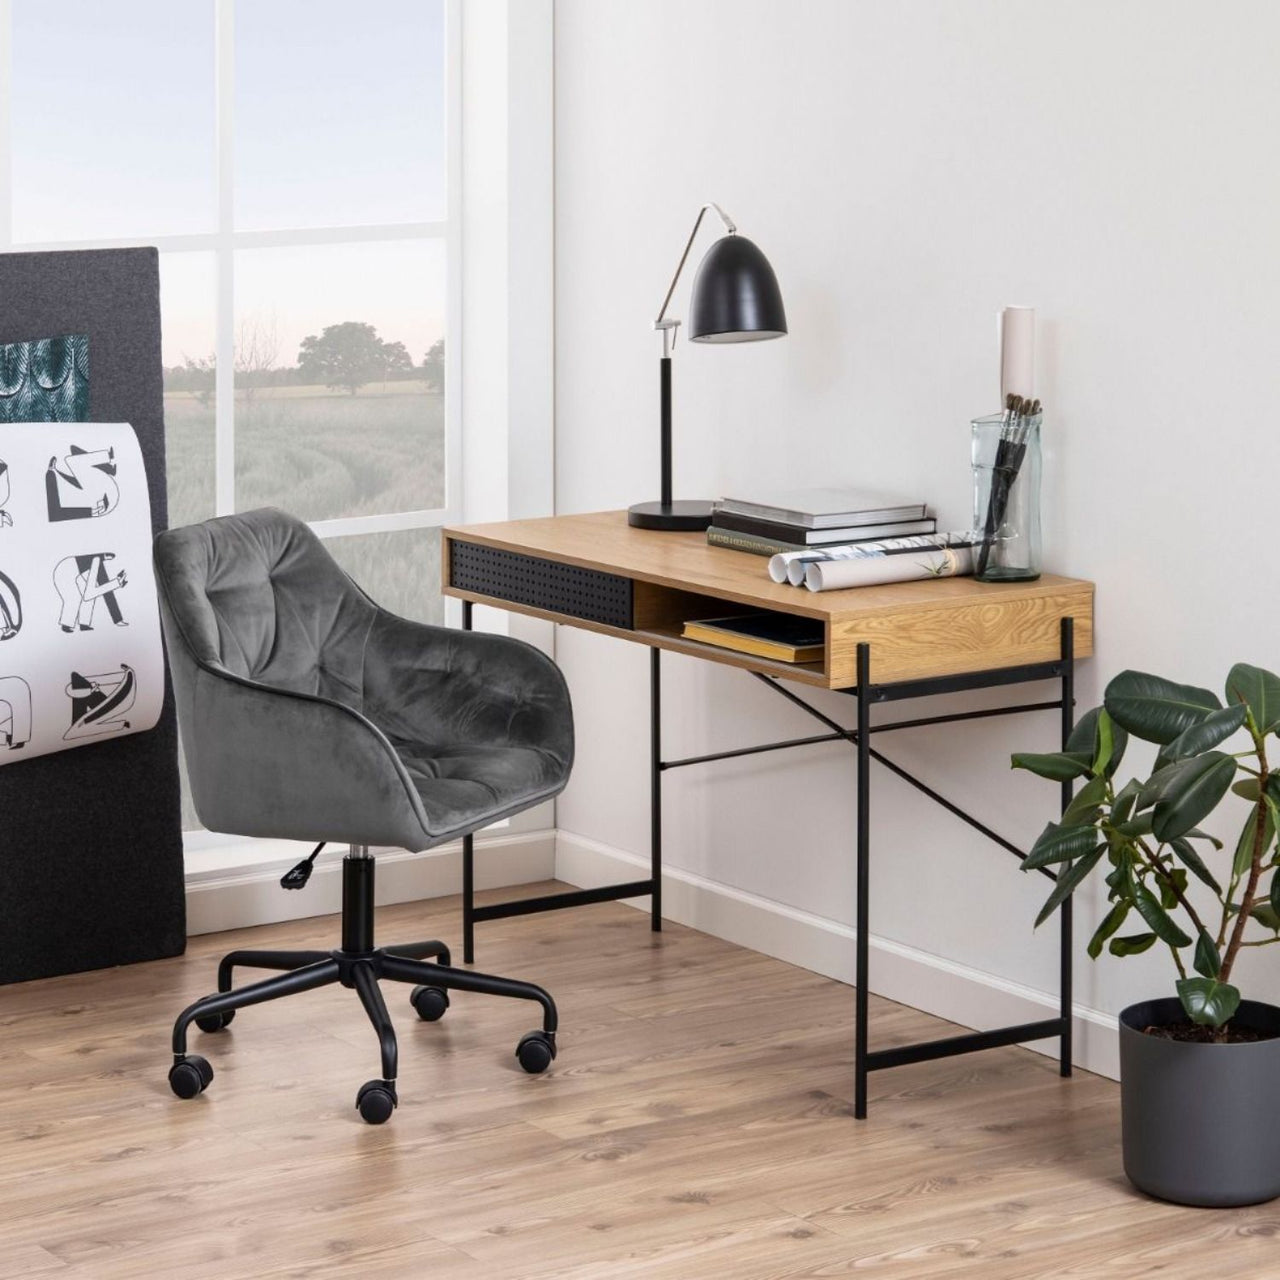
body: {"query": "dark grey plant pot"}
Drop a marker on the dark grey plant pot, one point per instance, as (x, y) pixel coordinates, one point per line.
(1200, 1122)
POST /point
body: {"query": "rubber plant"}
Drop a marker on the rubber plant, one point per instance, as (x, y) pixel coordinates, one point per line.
(1146, 833)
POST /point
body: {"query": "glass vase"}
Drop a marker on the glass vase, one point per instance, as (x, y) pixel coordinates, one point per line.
(1006, 498)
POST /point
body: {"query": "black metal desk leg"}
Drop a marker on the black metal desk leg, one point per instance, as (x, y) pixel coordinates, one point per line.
(655, 788)
(864, 882)
(1068, 722)
(468, 862)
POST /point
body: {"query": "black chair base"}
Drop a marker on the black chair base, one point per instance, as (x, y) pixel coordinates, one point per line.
(359, 965)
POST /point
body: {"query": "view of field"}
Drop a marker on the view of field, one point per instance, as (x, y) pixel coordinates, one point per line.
(318, 453)
(321, 454)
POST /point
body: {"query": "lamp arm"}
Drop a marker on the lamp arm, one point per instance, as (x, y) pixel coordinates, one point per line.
(662, 322)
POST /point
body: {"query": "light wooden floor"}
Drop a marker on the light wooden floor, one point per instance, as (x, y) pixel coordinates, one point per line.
(696, 1124)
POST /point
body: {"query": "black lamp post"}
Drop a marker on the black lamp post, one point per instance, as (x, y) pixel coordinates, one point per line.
(735, 299)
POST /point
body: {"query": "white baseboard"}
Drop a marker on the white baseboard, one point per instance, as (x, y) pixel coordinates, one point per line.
(905, 974)
(240, 897)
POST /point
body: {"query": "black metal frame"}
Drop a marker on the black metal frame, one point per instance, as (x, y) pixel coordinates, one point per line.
(866, 695)
(358, 965)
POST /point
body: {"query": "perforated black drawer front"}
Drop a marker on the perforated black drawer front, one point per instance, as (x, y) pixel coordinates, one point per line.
(541, 584)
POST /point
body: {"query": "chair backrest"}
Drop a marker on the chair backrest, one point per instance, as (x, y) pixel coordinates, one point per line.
(258, 595)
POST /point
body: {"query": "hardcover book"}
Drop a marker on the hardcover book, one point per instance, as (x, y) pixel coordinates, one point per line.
(784, 637)
(802, 536)
(826, 508)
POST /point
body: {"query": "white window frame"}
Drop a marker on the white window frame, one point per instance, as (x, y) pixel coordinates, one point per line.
(225, 240)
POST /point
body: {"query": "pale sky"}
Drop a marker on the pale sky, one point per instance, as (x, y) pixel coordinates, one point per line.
(337, 122)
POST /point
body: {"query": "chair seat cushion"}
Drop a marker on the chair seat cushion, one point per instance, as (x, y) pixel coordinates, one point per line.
(461, 784)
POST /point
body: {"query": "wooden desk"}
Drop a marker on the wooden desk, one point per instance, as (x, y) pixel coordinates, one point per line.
(882, 644)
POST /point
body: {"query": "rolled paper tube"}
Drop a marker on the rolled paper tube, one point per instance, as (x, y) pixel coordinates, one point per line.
(1017, 336)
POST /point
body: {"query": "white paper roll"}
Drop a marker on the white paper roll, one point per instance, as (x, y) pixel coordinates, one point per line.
(1016, 328)
(836, 575)
(80, 653)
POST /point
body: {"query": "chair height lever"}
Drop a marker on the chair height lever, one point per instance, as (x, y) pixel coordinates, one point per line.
(297, 877)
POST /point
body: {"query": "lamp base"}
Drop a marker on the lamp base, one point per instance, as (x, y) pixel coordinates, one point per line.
(670, 517)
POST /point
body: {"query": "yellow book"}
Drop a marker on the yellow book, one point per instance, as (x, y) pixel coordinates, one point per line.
(784, 637)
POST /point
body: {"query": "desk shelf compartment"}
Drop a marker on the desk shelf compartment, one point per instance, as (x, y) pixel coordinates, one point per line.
(661, 612)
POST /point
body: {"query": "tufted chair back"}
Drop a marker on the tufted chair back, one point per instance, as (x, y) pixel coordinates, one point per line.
(257, 595)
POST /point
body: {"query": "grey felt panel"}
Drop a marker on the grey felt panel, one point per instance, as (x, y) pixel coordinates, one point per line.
(90, 841)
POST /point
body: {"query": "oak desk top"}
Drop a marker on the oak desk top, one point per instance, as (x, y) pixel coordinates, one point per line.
(934, 627)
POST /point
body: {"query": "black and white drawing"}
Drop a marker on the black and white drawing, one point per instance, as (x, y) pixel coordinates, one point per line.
(6, 520)
(15, 712)
(99, 702)
(81, 581)
(83, 485)
(10, 607)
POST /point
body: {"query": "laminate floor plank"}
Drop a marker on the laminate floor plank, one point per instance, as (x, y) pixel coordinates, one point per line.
(697, 1124)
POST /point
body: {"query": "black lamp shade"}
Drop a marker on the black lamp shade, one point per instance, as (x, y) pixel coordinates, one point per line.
(735, 295)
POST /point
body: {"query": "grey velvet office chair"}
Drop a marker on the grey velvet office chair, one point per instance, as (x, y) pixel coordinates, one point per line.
(310, 713)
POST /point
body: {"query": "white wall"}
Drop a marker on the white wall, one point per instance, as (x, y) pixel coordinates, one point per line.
(908, 169)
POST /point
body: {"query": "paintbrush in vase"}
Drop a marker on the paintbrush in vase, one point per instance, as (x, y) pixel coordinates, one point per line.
(1010, 451)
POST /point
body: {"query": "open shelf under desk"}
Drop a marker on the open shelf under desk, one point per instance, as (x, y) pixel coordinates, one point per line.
(814, 673)
(665, 637)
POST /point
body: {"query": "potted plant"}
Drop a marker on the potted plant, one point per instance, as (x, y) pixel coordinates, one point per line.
(1198, 1069)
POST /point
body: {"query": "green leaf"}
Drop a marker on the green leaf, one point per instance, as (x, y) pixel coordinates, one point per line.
(1135, 827)
(1263, 912)
(1275, 894)
(1201, 782)
(1058, 843)
(1208, 1001)
(1110, 923)
(1060, 766)
(1133, 945)
(1068, 878)
(1266, 915)
(1162, 924)
(1248, 834)
(1156, 785)
(1196, 834)
(1169, 889)
(1155, 708)
(1249, 788)
(1207, 960)
(1086, 737)
(1083, 808)
(1259, 690)
(1185, 852)
(1216, 727)
(1126, 797)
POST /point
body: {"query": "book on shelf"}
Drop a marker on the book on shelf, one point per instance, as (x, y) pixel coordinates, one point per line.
(784, 637)
(825, 508)
(801, 536)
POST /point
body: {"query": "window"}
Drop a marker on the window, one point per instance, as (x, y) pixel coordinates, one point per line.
(295, 161)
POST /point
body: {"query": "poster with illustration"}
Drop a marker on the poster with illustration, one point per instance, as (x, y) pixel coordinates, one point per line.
(80, 651)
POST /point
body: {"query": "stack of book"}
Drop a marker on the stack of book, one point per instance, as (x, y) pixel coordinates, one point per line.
(814, 519)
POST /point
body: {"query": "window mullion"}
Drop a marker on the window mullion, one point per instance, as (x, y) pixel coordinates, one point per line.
(6, 124)
(225, 331)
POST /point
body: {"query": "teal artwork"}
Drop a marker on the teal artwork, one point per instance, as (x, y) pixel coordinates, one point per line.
(45, 380)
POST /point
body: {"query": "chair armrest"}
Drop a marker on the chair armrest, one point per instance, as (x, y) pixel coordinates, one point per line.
(433, 684)
(268, 762)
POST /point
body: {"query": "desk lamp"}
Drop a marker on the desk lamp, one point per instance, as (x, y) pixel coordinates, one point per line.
(735, 299)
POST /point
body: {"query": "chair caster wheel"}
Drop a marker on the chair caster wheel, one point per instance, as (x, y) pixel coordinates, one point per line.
(190, 1077)
(536, 1050)
(212, 1022)
(429, 1003)
(376, 1101)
